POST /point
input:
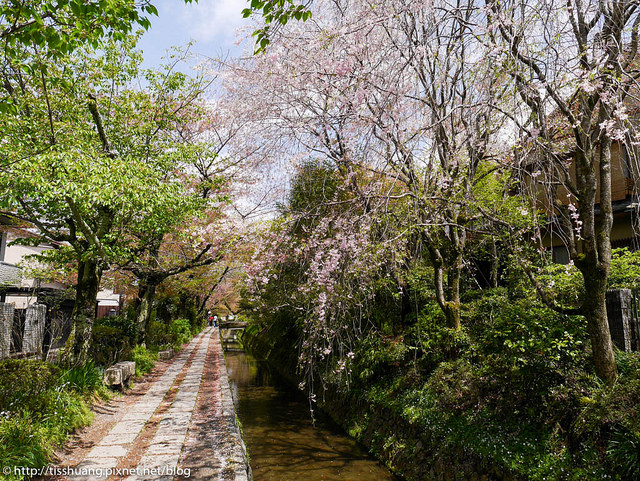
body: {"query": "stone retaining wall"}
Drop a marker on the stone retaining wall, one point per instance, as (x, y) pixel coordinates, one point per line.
(240, 459)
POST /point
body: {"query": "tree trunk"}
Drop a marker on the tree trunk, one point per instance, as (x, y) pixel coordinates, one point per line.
(494, 264)
(595, 310)
(406, 307)
(448, 299)
(84, 312)
(144, 306)
(595, 261)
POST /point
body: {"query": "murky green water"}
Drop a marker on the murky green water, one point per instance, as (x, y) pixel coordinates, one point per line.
(282, 442)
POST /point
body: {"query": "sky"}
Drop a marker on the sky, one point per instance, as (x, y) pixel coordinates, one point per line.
(212, 24)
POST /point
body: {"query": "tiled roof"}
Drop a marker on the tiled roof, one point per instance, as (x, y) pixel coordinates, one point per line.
(9, 275)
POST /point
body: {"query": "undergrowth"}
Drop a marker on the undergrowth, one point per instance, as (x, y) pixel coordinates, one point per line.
(40, 405)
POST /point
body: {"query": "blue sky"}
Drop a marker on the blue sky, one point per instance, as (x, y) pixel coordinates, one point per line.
(212, 24)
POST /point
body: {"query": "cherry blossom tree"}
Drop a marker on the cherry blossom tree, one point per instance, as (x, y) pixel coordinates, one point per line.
(398, 101)
(402, 90)
(431, 94)
(573, 67)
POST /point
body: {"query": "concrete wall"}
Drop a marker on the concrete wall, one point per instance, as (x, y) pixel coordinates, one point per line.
(6, 323)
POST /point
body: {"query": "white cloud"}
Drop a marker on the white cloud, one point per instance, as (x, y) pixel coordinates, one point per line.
(214, 20)
(212, 24)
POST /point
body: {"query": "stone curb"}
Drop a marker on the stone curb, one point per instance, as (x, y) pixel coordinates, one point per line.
(241, 467)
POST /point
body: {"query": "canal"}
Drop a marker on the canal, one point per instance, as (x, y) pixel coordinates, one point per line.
(283, 443)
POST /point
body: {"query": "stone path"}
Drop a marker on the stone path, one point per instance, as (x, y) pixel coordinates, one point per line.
(147, 443)
(214, 448)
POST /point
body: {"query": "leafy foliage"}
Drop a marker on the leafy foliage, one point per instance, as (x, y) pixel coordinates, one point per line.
(84, 379)
(23, 442)
(144, 359)
(39, 407)
(180, 330)
(525, 333)
(53, 30)
(110, 342)
(24, 384)
(159, 334)
(625, 269)
(624, 453)
(277, 12)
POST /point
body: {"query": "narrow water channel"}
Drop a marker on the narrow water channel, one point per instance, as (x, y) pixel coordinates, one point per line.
(282, 442)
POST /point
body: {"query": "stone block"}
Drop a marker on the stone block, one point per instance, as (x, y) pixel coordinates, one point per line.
(109, 452)
(128, 368)
(113, 376)
(168, 447)
(119, 374)
(166, 354)
(623, 321)
(128, 427)
(118, 439)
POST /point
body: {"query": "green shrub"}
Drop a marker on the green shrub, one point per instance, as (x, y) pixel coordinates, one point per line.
(628, 364)
(525, 333)
(109, 344)
(175, 334)
(39, 406)
(564, 282)
(624, 453)
(144, 359)
(64, 411)
(24, 384)
(197, 325)
(611, 415)
(85, 379)
(455, 386)
(159, 335)
(435, 341)
(612, 406)
(625, 269)
(180, 330)
(23, 442)
(28, 438)
(378, 356)
(125, 323)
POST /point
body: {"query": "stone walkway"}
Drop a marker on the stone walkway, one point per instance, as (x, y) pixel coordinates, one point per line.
(148, 442)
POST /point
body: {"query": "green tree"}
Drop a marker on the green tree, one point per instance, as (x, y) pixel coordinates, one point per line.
(34, 30)
(89, 162)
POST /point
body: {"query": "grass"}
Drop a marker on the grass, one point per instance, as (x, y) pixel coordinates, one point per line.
(41, 413)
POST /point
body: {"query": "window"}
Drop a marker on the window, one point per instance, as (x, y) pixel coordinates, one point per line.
(560, 255)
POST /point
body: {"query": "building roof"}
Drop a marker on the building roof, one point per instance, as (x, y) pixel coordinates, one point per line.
(10, 275)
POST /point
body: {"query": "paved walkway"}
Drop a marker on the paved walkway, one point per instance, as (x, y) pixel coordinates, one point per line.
(148, 442)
